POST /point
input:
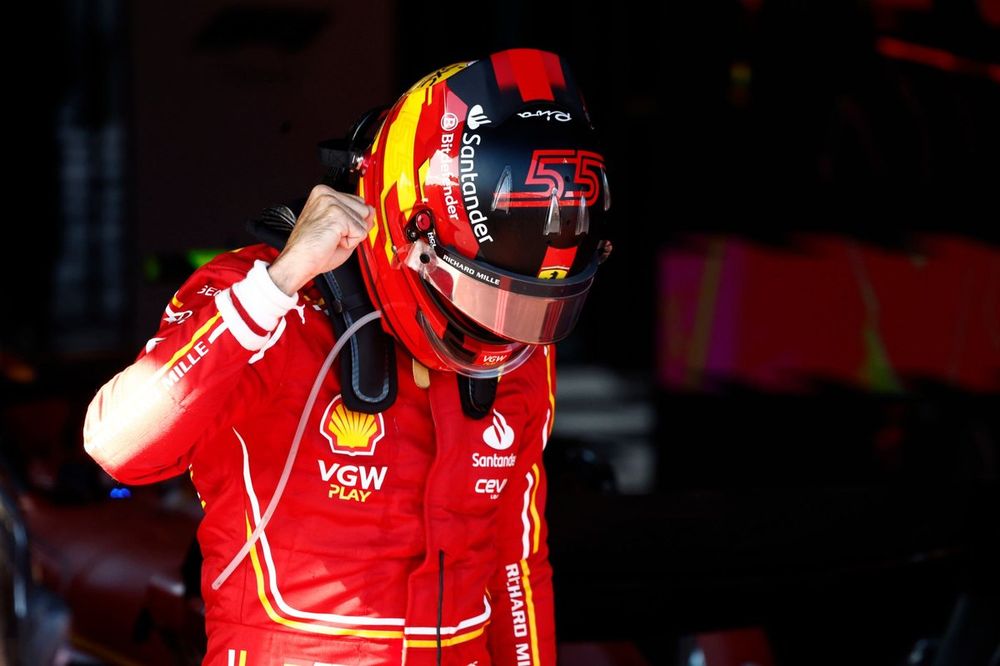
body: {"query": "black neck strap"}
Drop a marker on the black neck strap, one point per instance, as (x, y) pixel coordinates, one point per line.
(368, 364)
(477, 395)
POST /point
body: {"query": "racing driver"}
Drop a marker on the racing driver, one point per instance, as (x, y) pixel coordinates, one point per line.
(363, 398)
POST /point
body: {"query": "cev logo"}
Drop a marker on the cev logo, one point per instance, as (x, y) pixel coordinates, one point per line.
(491, 487)
(351, 433)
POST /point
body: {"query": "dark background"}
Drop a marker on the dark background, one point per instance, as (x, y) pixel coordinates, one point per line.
(846, 521)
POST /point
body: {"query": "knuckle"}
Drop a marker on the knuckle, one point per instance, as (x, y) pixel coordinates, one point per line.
(334, 209)
(320, 190)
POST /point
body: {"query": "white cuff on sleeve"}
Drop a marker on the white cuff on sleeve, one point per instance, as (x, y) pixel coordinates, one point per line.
(262, 302)
(237, 326)
(261, 298)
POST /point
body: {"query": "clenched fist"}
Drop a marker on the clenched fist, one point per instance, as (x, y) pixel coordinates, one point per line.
(331, 225)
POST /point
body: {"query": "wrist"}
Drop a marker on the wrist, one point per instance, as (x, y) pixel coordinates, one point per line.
(285, 277)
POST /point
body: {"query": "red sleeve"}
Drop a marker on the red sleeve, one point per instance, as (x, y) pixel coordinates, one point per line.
(522, 629)
(143, 424)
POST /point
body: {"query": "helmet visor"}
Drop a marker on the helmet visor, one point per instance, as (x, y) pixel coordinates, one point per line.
(481, 365)
(512, 306)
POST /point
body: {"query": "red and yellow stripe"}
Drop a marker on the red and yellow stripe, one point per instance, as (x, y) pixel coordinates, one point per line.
(445, 642)
(549, 375)
(299, 625)
(536, 520)
(180, 353)
(529, 604)
(317, 627)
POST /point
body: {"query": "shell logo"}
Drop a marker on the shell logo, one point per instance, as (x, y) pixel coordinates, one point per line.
(351, 433)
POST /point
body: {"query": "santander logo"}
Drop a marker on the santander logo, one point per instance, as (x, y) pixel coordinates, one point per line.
(477, 117)
(499, 436)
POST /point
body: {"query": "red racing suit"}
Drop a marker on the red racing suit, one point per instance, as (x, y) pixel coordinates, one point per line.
(399, 535)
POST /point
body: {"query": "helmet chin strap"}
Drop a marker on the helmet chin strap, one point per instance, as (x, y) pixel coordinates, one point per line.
(293, 451)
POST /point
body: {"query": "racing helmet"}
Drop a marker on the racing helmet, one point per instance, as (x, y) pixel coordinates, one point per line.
(490, 195)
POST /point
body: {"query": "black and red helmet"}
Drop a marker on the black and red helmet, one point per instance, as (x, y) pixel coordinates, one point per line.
(491, 197)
